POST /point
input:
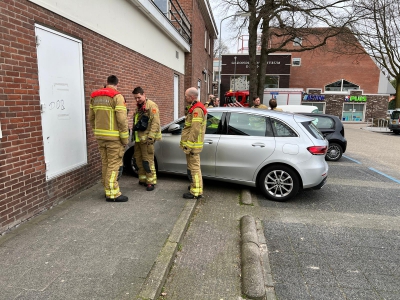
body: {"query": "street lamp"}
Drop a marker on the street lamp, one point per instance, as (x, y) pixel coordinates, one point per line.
(234, 77)
(237, 14)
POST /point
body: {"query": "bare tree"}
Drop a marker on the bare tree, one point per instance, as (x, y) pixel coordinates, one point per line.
(285, 22)
(378, 31)
(220, 48)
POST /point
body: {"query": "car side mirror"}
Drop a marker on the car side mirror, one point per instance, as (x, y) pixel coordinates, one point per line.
(174, 129)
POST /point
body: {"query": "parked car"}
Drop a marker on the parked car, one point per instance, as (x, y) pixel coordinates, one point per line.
(394, 122)
(333, 130)
(278, 152)
(299, 108)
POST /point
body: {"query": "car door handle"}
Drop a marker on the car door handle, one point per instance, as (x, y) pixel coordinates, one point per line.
(208, 142)
(261, 145)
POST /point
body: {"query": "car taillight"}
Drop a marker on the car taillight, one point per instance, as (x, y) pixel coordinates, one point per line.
(317, 150)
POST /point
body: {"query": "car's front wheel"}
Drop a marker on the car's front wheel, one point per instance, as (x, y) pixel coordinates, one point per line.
(129, 163)
(279, 183)
(334, 152)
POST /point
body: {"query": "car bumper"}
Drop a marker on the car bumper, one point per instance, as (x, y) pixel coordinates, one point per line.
(313, 172)
(319, 186)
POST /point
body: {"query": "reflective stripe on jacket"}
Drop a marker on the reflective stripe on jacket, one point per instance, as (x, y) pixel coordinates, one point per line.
(195, 128)
(108, 115)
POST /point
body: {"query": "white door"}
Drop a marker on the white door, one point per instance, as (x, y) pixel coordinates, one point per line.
(176, 97)
(62, 101)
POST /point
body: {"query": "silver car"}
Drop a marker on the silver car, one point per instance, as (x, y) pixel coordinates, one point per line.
(278, 152)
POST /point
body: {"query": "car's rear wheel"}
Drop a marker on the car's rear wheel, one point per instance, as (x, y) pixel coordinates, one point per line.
(279, 183)
(129, 163)
(334, 152)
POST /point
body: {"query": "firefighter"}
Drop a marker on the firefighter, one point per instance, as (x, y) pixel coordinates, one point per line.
(108, 118)
(256, 102)
(273, 105)
(147, 130)
(192, 142)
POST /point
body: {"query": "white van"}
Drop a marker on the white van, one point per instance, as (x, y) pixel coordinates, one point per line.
(299, 108)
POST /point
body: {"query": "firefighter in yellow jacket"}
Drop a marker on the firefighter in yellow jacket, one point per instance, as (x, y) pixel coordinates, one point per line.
(108, 118)
(147, 130)
(192, 140)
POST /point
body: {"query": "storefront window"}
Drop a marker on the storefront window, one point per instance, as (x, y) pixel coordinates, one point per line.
(353, 112)
(320, 105)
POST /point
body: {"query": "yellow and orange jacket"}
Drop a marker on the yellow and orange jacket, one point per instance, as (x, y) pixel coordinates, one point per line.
(153, 131)
(108, 115)
(195, 127)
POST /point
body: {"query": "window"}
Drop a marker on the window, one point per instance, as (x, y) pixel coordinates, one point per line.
(271, 82)
(205, 39)
(213, 121)
(209, 46)
(281, 129)
(239, 82)
(320, 105)
(249, 125)
(208, 85)
(296, 62)
(199, 89)
(341, 86)
(297, 41)
(324, 122)
(311, 128)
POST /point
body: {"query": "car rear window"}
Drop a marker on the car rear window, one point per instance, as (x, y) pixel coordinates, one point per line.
(324, 122)
(311, 128)
(395, 115)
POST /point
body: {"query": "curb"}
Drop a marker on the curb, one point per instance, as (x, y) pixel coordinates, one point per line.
(246, 197)
(155, 280)
(257, 280)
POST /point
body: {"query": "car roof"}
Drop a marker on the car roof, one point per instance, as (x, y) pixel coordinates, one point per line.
(320, 115)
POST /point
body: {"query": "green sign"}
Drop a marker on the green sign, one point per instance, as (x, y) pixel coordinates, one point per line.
(355, 99)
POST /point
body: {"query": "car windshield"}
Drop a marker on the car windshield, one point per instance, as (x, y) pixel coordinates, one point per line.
(311, 128)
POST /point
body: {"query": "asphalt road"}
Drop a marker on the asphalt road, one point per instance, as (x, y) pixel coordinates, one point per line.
(341, 242)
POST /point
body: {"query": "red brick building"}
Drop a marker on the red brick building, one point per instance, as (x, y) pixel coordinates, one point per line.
(337, 71)
(53, 57)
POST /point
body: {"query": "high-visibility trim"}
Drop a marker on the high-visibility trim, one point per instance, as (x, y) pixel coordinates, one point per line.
(124, 135)
(197, 120)
(120, 107)
(102, 107)
(113, 192)
(102, 132)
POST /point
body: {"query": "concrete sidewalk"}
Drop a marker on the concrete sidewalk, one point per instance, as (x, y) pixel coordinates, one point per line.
(87, 248)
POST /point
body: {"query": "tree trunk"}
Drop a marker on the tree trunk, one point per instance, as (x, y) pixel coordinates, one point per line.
(253, 24)
(263, 59)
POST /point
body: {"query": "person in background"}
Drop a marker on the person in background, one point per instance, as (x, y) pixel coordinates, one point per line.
(147, 130)
(273, 105)
(257, 103)
(108, 118)
(192, 142)
(210, 100)
(214, 103)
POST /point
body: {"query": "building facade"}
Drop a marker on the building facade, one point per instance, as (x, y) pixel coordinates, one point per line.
(349, 85)
(53, 54)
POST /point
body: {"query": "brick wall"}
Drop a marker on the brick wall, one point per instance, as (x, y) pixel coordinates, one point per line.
(323, 66)
(198, 59)
(24, 191)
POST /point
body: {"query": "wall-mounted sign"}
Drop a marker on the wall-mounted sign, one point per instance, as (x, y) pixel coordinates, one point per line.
(355, 99)
(314, 97)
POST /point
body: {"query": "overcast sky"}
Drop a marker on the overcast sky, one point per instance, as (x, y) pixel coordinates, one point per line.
(226, 34)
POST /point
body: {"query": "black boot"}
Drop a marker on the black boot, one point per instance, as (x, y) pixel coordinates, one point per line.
(120, 198)
(191, 196)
